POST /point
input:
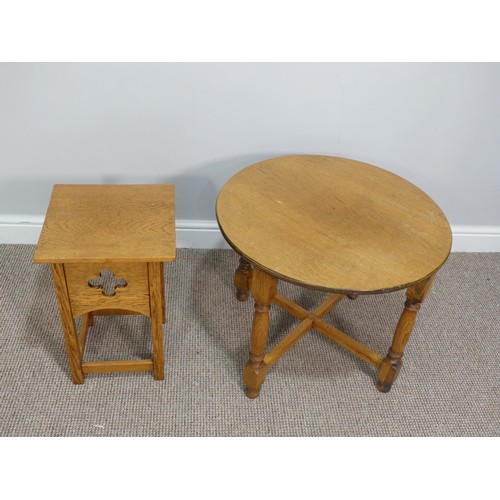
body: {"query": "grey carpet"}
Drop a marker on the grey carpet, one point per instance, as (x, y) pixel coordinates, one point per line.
(449, 385)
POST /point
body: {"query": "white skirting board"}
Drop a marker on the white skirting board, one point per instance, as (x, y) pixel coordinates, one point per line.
(205, 234)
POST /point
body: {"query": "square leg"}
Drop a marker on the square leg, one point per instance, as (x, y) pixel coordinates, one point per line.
(156, 295)
(68, 323)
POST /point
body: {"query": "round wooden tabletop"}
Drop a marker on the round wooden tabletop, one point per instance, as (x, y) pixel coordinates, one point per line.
(333, 224)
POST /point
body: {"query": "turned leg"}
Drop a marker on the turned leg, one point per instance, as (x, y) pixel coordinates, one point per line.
(68, 323)
(264, 288)
(391, 364)
(243, 279)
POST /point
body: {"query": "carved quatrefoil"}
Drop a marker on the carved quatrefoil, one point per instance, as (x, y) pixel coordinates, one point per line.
(107, 282)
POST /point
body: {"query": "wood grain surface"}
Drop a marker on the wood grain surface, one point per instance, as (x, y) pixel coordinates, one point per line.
(84, 298)
(156, 292)
(126, 365)
(104, 223)
(68, 323)
(333, 224)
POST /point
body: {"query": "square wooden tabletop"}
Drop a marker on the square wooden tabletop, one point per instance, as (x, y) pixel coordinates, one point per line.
(106, 223)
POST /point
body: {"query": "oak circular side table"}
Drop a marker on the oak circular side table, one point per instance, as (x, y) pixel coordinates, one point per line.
(336, 225)
(106, 245)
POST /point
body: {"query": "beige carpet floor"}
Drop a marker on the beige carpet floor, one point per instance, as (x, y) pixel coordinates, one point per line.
(449, 384)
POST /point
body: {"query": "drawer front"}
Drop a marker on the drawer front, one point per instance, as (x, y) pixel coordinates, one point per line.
(112, 286)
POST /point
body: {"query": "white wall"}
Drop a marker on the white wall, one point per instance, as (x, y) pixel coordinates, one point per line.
(195, 125)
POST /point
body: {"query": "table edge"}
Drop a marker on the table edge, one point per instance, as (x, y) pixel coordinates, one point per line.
(343, 291)
(103, 260)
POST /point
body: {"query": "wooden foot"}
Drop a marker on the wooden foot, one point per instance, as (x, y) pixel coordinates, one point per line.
(391, 364)
(264, 288)
(254, 375)
(389, 370)
(243, 279)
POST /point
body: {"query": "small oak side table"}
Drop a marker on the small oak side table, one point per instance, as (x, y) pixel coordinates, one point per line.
(106, 245)
(336, 225)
